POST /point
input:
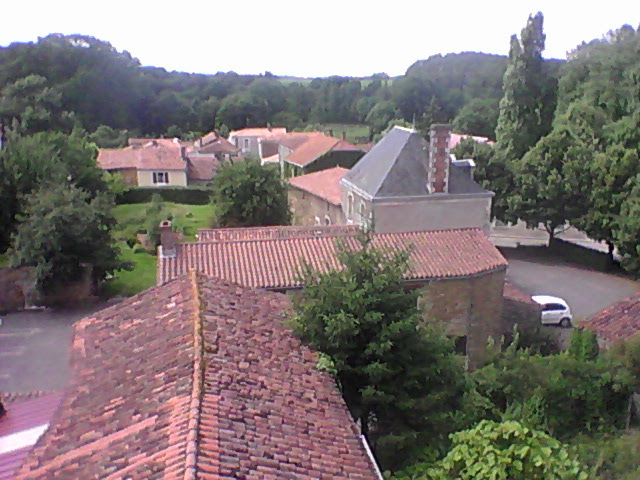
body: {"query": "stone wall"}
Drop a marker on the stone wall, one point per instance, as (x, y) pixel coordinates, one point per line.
(471, 309)
(17, 290)
(17, 287)
(305, 207)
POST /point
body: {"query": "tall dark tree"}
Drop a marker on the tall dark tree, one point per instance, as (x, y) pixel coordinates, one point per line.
(398, 375)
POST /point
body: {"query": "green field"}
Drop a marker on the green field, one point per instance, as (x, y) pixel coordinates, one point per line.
(354, 130)
(186, 218)
(132, 219)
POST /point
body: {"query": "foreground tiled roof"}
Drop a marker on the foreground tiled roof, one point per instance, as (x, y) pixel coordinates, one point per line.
(276, 263)
(27, 416)
(270, 233)
(151, 156)
(618, 322)
(324, 184)
(197, 379)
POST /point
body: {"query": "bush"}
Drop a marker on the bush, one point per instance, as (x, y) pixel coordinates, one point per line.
(185, 195)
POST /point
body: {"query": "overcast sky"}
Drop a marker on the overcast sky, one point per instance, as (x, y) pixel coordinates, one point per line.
(307, 39)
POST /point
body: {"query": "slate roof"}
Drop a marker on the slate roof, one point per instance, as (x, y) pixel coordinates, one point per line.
(324, 184)
(151, 156)
(618, 322)
(276, 263)
(27, 416)
(197, 379)
(397, 167)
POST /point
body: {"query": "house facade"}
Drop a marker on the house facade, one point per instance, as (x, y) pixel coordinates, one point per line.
(155, 163)
(248, 140)
(407, 184)
(460, 273)
(195, 379)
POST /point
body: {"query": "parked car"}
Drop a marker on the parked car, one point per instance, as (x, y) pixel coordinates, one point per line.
(555, 310)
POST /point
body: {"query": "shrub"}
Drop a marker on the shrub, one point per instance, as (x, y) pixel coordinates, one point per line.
(186, 195)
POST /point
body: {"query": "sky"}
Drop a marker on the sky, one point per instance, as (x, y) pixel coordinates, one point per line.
(310, 39)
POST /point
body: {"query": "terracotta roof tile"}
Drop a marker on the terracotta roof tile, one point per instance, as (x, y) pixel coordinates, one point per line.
(276, 262)
(258, 132)
(311, 150)
(197, 379)
(153, 156)
(324, 184)
(270, 233)
(202, 168)
(618, 322)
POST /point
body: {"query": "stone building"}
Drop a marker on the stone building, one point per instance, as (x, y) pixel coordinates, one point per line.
(314, 199)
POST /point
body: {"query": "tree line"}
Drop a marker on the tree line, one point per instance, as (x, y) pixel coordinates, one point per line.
(568, 144)
(65, 81)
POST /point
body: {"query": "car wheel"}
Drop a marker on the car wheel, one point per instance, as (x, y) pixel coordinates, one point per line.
(565, 322)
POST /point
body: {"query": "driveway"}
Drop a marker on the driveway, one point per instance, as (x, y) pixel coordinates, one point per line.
(34, 348)
(586, 291)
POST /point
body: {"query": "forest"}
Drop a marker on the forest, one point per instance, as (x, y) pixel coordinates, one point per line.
(85, 81)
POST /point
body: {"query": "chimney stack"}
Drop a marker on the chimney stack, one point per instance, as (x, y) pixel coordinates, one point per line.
(183, 152)
(344, 136)
(168, 239)
(438, 181)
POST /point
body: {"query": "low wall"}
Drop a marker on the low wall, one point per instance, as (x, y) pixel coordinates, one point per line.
(582, 255)
(17, 290)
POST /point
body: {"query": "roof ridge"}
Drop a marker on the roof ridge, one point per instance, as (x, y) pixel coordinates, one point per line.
(197, 386)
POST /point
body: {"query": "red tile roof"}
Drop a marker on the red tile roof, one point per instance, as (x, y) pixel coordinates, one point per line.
(618, 322)
(197, 379)
(258, 132)
(151, 156)
(514, 293)
(312, 149)
(324, 184)
(212, 143)
(202, 168)
(293, 140)
(456, 138)
(270, 233)
(23, 414)
(276, 263)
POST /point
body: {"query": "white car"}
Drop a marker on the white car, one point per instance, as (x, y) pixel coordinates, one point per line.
(555, 311)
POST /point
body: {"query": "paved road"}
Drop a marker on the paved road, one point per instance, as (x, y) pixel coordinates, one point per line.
(34, 348)
(586, 291)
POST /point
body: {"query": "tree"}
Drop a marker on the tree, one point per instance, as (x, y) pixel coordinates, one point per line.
(550, 185)
(61, 228)
(107, 137)
(478, 117)
(627, 232)
(525, 114)
(28, 161)
(248, 194)
(399, 376)
(380, 116)
(506, 451)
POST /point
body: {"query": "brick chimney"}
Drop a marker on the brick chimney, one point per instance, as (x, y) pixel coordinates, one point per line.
(438, 168)
(168, 239)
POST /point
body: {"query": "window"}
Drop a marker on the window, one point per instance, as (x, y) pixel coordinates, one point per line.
(245, 147)
(318, 221)
(350, 207)
(327, 220)
(161, 178)
(551, 307)
(460, 345)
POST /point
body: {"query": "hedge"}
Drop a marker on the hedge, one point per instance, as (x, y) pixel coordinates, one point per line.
(186, 195)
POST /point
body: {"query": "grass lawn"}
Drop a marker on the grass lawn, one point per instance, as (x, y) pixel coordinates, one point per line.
(189, 218)
(132, 219)
(142, 276)
(353, 130)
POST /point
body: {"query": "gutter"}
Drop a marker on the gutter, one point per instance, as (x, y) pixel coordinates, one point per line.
(367, 449)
